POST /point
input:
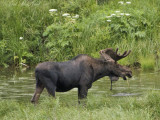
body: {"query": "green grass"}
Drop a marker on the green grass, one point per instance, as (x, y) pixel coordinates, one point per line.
(147, 63)
(57, 38)
(145, 107)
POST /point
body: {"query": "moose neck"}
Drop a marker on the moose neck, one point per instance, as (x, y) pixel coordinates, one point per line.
(100, 69)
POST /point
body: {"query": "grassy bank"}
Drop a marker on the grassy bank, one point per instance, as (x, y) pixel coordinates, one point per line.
(29, 33)
(145, 107)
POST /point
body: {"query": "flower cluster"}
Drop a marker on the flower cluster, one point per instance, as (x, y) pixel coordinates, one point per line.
(53, 11)
(72, 18)
(121, 2)
(67, 15)
(21, 38)
(117, 13)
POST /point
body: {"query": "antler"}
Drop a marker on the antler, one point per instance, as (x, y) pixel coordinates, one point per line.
(106, 56)
(114, 55)
(125, 54)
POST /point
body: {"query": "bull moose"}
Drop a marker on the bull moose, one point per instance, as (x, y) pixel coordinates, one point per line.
(79, 72)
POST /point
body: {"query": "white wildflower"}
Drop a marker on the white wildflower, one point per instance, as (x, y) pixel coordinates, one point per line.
(53, 10)
(108, 20)
(117, 11)
(113, 14)
(76, 16)
(66, 14)
(108, 16)
(122, 14)
(21, 38)
(127, 14)
(73, 20)
(128, 2)
(121, 2)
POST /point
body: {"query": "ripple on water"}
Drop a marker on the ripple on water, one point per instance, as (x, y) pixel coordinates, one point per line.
(21, 85)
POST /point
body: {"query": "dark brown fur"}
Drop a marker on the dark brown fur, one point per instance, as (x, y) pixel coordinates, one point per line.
(80, 72)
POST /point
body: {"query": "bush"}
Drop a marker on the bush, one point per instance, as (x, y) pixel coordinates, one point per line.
(90, 26)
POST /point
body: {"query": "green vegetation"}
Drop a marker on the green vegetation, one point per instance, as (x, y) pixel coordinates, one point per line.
(29, 33)
(147, 63)
(111, 108)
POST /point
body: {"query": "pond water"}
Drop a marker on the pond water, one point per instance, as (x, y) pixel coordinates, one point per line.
(20, 85)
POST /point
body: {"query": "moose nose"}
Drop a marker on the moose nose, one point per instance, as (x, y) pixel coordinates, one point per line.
(124, 78)
(129, 75)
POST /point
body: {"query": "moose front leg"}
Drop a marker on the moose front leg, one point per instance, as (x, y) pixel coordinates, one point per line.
(82, 94)
(113, 78)
(111, 85)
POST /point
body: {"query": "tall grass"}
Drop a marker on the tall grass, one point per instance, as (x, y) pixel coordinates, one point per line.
(147, 63)
(145, 107)
(50, 36)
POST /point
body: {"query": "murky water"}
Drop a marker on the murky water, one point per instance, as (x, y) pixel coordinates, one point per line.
(20, 85)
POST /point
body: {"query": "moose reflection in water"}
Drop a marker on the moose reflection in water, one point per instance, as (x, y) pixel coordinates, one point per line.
(80, 72)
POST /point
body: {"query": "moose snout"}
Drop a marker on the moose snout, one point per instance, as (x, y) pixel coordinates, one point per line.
(129, 74)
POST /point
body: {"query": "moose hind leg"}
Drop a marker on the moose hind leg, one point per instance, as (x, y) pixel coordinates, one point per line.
(38, 91)
(51, 88)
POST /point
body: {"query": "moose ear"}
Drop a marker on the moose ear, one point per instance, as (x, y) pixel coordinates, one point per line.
(101, 52)
(106, 56)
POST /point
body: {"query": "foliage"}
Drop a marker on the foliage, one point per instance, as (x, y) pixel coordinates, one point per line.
(147, 63)
(90, 26)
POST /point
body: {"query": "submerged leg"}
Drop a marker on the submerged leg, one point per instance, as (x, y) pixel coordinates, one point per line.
(111, 85)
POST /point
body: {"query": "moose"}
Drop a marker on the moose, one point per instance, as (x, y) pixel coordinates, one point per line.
(79, 72)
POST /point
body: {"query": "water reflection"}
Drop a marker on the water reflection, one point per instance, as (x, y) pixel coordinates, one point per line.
(20, 85)
(15, 84)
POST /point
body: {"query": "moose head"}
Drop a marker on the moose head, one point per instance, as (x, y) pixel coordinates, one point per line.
(111, 56)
